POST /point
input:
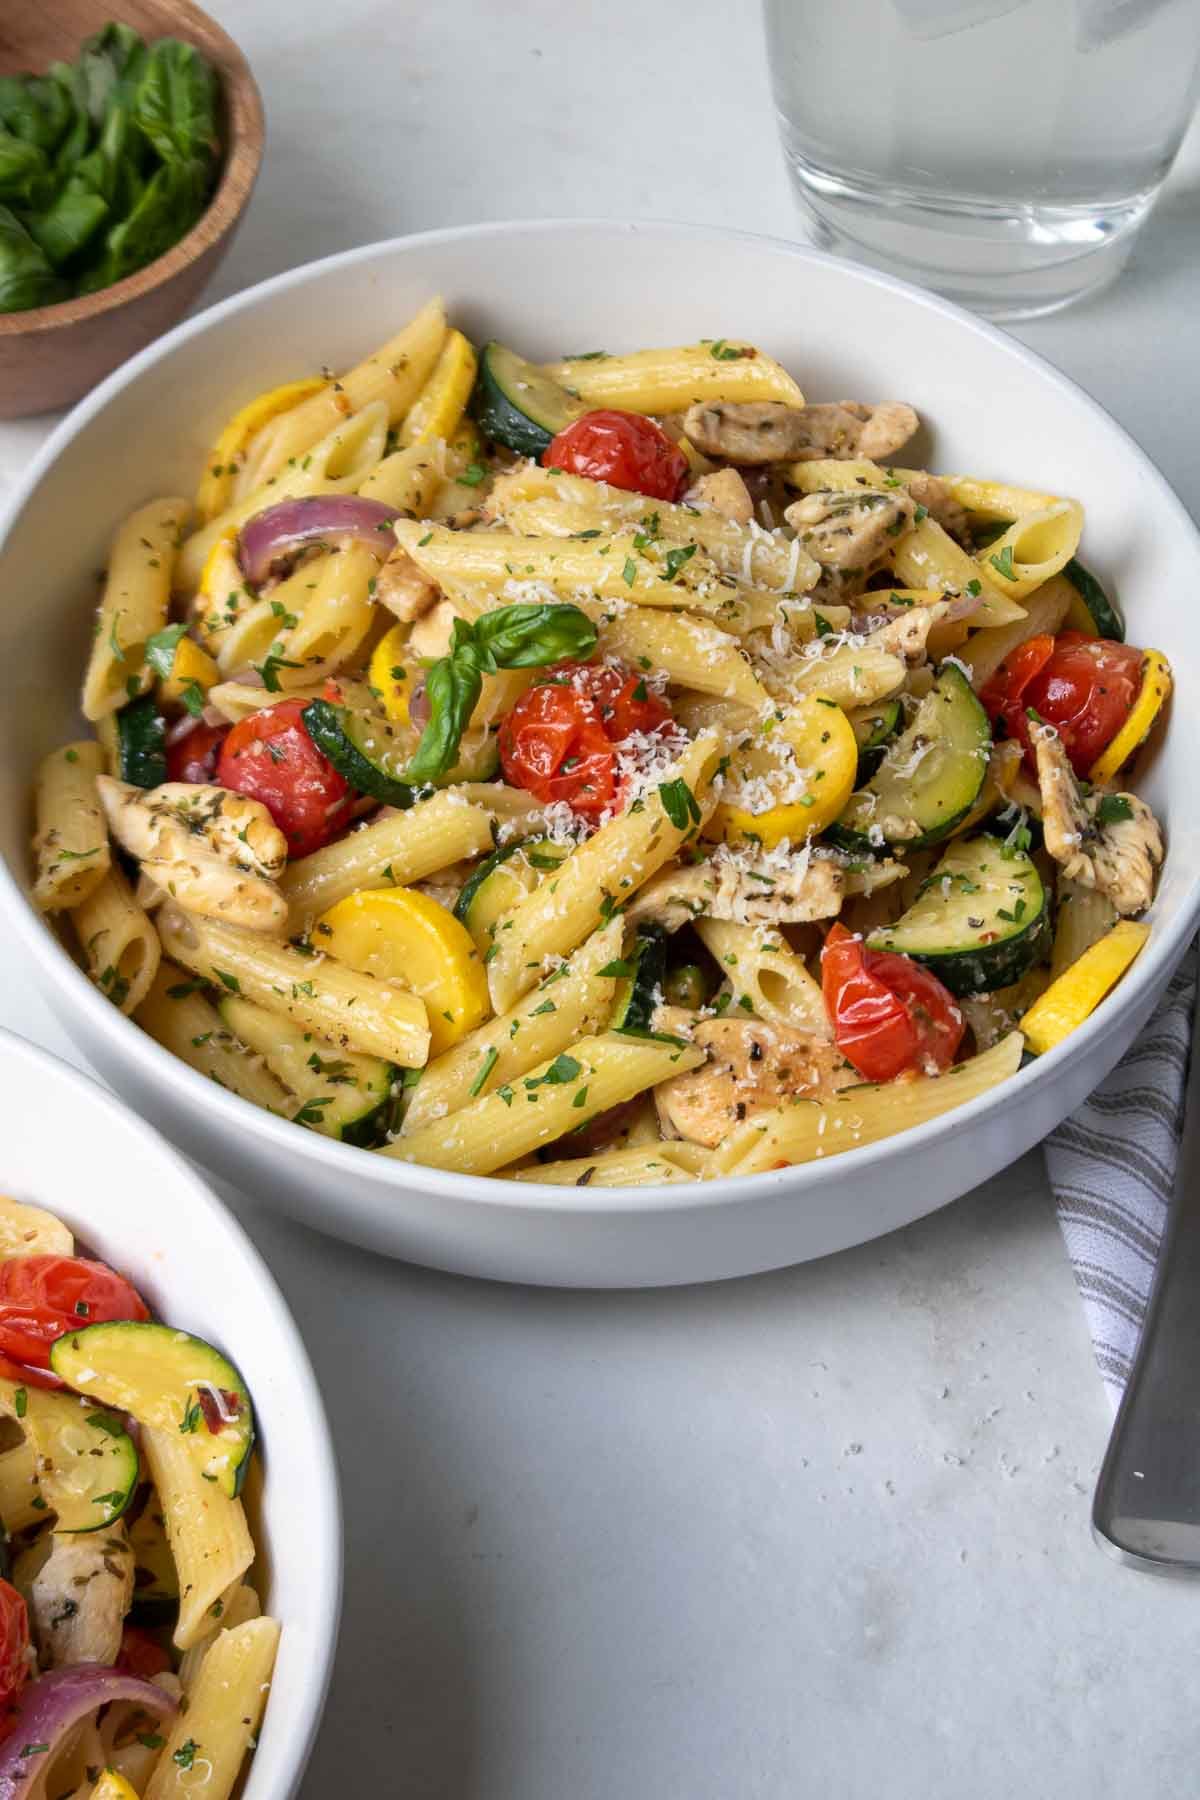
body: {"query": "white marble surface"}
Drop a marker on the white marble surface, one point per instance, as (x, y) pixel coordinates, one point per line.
(823, 1532)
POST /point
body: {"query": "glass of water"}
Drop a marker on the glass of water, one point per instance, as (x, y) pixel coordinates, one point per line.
(1004, 152)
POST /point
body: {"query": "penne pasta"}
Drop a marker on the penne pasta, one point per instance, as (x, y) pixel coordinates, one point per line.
(759, 964)
(206, 1530)
(178, 1017)
(552, 1099)
(224, 1710)
(357, 1012)
(133, 605)
(1034, 548)
(667, 381)
(600, 875)
(120, 945)
(71, 844)
(691, 652)
(572, 1002)
(392, 851)
(1046, 612)
(659, 1165)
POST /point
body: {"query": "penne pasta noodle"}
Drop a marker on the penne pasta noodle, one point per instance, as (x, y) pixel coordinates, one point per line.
(206, 1530)
(224, 1710)
(572, 1002)
(133, 605)
(552, 1099)
(1034, 548)
(600, 875)
(1046, 612)
(927, 556)
(640, 1165)
(667, 381)
(357, 1012)
(760, 964)
(393, 850)
(179, 1018)
(390, 378)
(120, 945)
(71, 844)
(691, 652)
(803, 1131)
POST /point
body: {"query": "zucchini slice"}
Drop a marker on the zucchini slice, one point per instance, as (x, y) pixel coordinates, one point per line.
(641, 991)
(1105, 616)
(874, 730)
(87, 1464)
(364, 748)
(981, 919)
(339, 1094)
(142, 743)
(500, 882)
(168, 1379)
(930, 776)
(518, 405)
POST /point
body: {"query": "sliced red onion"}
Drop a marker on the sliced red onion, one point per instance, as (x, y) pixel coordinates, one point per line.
(184, 727)
(282, 530)
(56, 1702)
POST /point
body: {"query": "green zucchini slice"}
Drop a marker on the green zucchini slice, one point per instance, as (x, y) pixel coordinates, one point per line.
(1104, 613)
(87, 1464)
(341, 1095)
(980, 921)
(500, 882)
(874, 731)
(142, 743)
(641, 991)
(364, 748)
(517, 405)
(170, 1380)
(930, 776)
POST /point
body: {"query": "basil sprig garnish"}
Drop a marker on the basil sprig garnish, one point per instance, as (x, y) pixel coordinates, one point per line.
(511, 637)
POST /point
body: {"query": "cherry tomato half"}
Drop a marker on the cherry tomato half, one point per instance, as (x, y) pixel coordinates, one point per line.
(1083, 686)
(558, 742)
(270, 756)
(141, 1654)
(194, 757)
(889, 1014)
(625, 449)
(14, 1653)
(44, 1297)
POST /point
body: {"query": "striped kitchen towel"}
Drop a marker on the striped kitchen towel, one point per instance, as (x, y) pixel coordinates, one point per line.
(1112, 1167)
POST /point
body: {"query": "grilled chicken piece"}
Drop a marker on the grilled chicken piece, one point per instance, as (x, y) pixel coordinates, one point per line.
(726, 493)
(214, 851)
(79, 1598)
(931, 492)
(752, 1066)
(750, 891)
(765, 431)
(850, 533)
(1118, 858)
(403, 589)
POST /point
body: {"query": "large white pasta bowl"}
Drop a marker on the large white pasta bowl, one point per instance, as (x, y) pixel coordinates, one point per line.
(991, 407)
(70, 1147)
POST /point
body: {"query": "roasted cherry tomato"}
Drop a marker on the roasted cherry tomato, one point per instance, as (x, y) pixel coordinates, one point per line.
(270, 756)
(141, 1654)
(1083, 686)
(558, 742)
(889, 1015)
(44, 1297)
(194, 757)
(625, 449)
(14, 1653)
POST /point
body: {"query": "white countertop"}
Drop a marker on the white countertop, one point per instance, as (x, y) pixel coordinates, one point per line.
(824, 1532)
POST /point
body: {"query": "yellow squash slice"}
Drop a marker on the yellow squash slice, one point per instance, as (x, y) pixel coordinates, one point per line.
(1151, 698)
(817, 778)
(1077, 993)
(440, 405)
(401, 935)
(391, 673)
(191, 668)
(216, 487)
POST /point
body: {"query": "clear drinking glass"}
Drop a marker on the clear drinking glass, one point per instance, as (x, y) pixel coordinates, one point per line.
(1004, 152)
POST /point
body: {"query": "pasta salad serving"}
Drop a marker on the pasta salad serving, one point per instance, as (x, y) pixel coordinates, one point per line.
(134, 1660)
(614, 770)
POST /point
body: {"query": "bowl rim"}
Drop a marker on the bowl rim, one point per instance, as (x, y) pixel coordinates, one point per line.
(1154, 965)
(326, 1574)
(239, 172)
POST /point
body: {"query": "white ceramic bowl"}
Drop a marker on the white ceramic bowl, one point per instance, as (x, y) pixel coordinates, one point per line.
(992, 408)
(70, 1147)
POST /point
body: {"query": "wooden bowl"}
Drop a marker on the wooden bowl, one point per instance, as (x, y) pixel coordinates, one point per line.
(51, 356)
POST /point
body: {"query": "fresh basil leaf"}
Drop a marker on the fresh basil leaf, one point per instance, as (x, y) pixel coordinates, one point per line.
(22, 167)
(529, 637)
(453, 687)
(70, 222)
(103, 60)
(36, 108)
(161, 647)
(26, 278)
(168, 206)
(174, 102)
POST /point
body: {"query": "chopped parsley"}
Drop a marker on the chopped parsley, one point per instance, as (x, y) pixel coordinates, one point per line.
(1113, 809)
(489, 1063)
(1003, 564)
